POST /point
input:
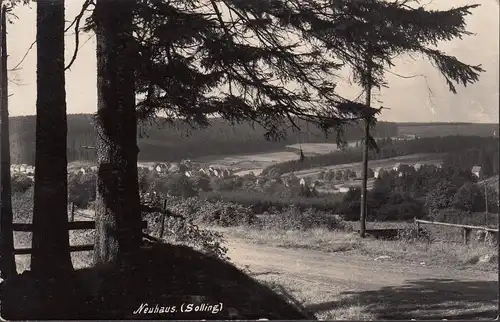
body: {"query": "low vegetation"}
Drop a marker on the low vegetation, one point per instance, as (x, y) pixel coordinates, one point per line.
(203, 211)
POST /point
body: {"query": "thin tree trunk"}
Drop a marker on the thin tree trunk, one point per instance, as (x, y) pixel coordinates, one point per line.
(8, 264)
(50, 254)
(118, 218)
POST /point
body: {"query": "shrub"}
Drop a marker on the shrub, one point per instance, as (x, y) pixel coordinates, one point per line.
(412, 235)
(469, 197)
(398, 207)
(82, 189)
(180, 228)
(260, 202)
(293, 218)
(20, 183)
(176, 185)
(460, 217)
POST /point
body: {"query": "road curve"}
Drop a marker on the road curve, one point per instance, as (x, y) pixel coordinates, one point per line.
(348, 272)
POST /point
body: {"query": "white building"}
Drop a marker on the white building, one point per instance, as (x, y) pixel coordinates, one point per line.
(477, 170)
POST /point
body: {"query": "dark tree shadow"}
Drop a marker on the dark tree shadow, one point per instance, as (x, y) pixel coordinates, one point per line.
(163, 275)
(428, 299)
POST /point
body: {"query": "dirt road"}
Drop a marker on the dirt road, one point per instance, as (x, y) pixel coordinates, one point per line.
(431, 291)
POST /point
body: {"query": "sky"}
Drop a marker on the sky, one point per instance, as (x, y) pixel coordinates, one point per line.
(415, 99)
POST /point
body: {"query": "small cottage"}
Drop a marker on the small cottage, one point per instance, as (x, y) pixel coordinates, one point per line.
(477, 170)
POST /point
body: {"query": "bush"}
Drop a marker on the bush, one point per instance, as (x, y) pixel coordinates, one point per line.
(412, 235)
(292, 218)
(460, 217)
(398, 207)
(260, 202)
(20, 183)
(181, 228)
(176, 185)
(82, 189)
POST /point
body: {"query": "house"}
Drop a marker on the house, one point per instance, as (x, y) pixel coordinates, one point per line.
(344, 189)
(417, 166)
(30, 170)
(396, 167)
(477, 170)
(172, 168)
(302, 182)
(402, 168)
(161, 167)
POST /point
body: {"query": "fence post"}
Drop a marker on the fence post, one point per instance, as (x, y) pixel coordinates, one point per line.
(163, 208)
(72, 212)
(466, 234)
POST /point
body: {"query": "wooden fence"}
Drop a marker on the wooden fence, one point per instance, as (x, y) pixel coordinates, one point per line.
(72, 225)
(466, 229)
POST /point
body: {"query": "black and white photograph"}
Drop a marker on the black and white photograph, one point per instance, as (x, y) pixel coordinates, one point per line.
(249, 160)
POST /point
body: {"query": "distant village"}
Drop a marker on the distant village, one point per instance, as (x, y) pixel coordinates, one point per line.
(190, 169)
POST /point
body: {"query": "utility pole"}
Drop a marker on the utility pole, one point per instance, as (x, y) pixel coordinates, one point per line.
(364, 189)
(7, 260)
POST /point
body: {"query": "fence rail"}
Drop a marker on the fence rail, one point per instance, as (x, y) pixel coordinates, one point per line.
(72, 225)
(466, 229)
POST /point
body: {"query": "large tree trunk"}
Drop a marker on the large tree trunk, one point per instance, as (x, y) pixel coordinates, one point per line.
(118, 230)
(7, 264)
(50, 219)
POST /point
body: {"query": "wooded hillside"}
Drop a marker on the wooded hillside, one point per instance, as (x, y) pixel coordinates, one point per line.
(175, 142)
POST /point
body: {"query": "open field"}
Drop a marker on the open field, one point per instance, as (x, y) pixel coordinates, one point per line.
(368, 279)
(246, 163)
(318, 148)
(423, 158)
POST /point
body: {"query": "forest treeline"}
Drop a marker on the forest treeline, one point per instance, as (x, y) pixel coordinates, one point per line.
(164, 142)
(459, 151)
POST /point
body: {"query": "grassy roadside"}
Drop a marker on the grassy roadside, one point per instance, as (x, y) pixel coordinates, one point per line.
(336, 302)
(436, 253)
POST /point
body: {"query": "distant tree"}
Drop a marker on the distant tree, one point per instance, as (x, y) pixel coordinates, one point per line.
(469, 198)
(339, 175)
(176, 185)
(202, 182)
(329, 176)
(441, 197)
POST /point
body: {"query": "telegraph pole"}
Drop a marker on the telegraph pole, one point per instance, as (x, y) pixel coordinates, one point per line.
(364, 189)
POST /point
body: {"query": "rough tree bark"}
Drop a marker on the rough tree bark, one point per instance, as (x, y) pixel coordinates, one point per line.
(7, 261)
(118, 218)
(50, 241)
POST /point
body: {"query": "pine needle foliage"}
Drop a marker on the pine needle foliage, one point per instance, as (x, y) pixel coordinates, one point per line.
(276, 62)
